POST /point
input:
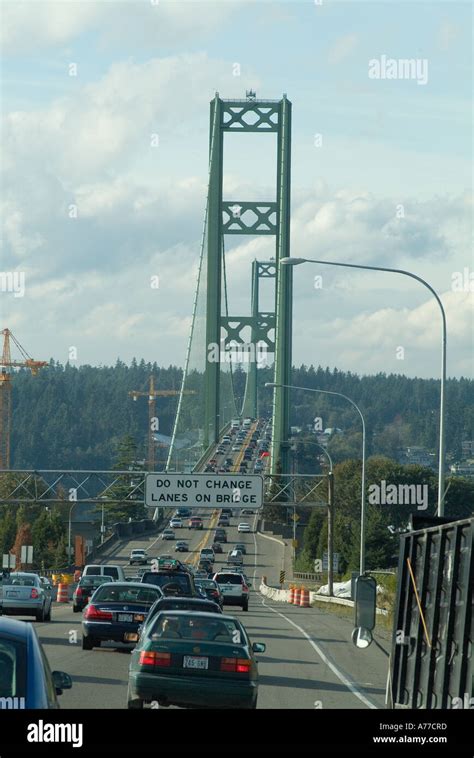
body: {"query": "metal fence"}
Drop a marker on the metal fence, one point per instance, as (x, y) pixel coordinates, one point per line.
(432, 649)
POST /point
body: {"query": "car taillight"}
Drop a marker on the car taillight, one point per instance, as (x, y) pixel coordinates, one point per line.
(34, 594)
(240, 665)
(152, 658)
(245, 588)
(78, 592)
(95, 614)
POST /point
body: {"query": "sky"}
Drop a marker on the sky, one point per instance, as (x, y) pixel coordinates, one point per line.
(104, 143)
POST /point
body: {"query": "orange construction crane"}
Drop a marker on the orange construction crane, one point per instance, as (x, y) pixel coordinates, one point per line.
(152, 394)
(6, 370)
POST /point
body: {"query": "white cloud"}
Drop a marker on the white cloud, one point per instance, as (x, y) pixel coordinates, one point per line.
(34, 25)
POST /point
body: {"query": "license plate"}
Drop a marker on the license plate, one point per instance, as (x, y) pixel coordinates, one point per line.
(13, 594)
(194, 662)
(128, 617)
(227, 590)
(130, 637)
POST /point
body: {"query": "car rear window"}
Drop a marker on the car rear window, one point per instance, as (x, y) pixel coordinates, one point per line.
(196, 627)
(21, 581)
(117, 593)
(208, 584)
(229, 579)
(173, 605)
(111, 571)
(93, 571)
(93, 581)
(162, 578)
(12, 668)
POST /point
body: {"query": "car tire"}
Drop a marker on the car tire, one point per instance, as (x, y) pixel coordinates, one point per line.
(87, 643)
(48, 615)
(133, 703)
(245, 607)
(75, 609)
(40, 615)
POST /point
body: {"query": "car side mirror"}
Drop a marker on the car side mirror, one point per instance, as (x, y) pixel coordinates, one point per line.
(365, 605)
(259, 647)
(62, 681)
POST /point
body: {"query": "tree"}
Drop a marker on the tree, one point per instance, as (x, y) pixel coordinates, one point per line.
(23, 537)
(125, 459)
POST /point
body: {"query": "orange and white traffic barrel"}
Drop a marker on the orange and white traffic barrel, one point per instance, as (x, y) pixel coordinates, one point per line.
(63, 593)
(304, 598)
(296, 599)
(291, 598)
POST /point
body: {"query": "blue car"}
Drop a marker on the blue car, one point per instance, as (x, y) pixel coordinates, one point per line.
(115, 611)
(26, 681)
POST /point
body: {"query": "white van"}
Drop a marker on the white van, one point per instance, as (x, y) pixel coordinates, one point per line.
(116, 573)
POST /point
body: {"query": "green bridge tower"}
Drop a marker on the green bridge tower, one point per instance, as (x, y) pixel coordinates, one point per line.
(271, 218)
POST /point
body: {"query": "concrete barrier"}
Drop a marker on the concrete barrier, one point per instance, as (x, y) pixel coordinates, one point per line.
(283, 596)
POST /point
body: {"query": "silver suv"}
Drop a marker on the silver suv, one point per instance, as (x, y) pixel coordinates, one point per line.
(234, 588)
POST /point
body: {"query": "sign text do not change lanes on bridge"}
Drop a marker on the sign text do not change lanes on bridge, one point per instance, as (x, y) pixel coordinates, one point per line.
(201, 490)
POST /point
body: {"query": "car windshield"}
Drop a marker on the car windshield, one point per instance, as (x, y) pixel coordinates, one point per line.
(196, 627)
(121, 593)
(12, 668)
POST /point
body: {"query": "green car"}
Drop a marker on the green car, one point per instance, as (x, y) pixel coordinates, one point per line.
(194, 660)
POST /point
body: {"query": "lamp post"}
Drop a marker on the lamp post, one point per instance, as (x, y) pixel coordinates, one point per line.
(362, 499)
(442, 436)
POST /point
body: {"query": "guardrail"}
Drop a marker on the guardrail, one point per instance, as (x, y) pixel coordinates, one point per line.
(307, 577)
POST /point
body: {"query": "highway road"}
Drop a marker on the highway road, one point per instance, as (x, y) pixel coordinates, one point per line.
(309, 661)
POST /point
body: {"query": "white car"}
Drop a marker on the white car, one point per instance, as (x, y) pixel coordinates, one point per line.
(244, 527)
(176, 523)
(138, 556)
(168, 534)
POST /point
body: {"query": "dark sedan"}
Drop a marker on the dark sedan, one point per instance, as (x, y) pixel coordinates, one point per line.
(85, 589)
(115, 612)
(26, 681)
(211, 588)
(197, 660)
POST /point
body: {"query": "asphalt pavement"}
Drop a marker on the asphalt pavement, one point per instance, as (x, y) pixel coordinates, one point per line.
(309, 662)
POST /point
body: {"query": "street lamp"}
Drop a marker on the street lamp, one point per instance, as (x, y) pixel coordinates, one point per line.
(442, 438)
(362, 503)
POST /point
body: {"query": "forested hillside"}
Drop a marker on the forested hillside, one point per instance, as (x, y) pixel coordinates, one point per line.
(68, 417)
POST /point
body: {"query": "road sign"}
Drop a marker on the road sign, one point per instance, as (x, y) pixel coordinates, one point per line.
(282, 577)
(295, 517)
(335, 562)
(26, 554)
(203, 490)
(9, 561)
(294, 543)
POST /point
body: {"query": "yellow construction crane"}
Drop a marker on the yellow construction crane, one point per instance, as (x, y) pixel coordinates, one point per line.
(152, 394)
(6, 370)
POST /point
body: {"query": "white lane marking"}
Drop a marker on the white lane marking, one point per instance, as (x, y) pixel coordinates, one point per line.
(350, 685)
